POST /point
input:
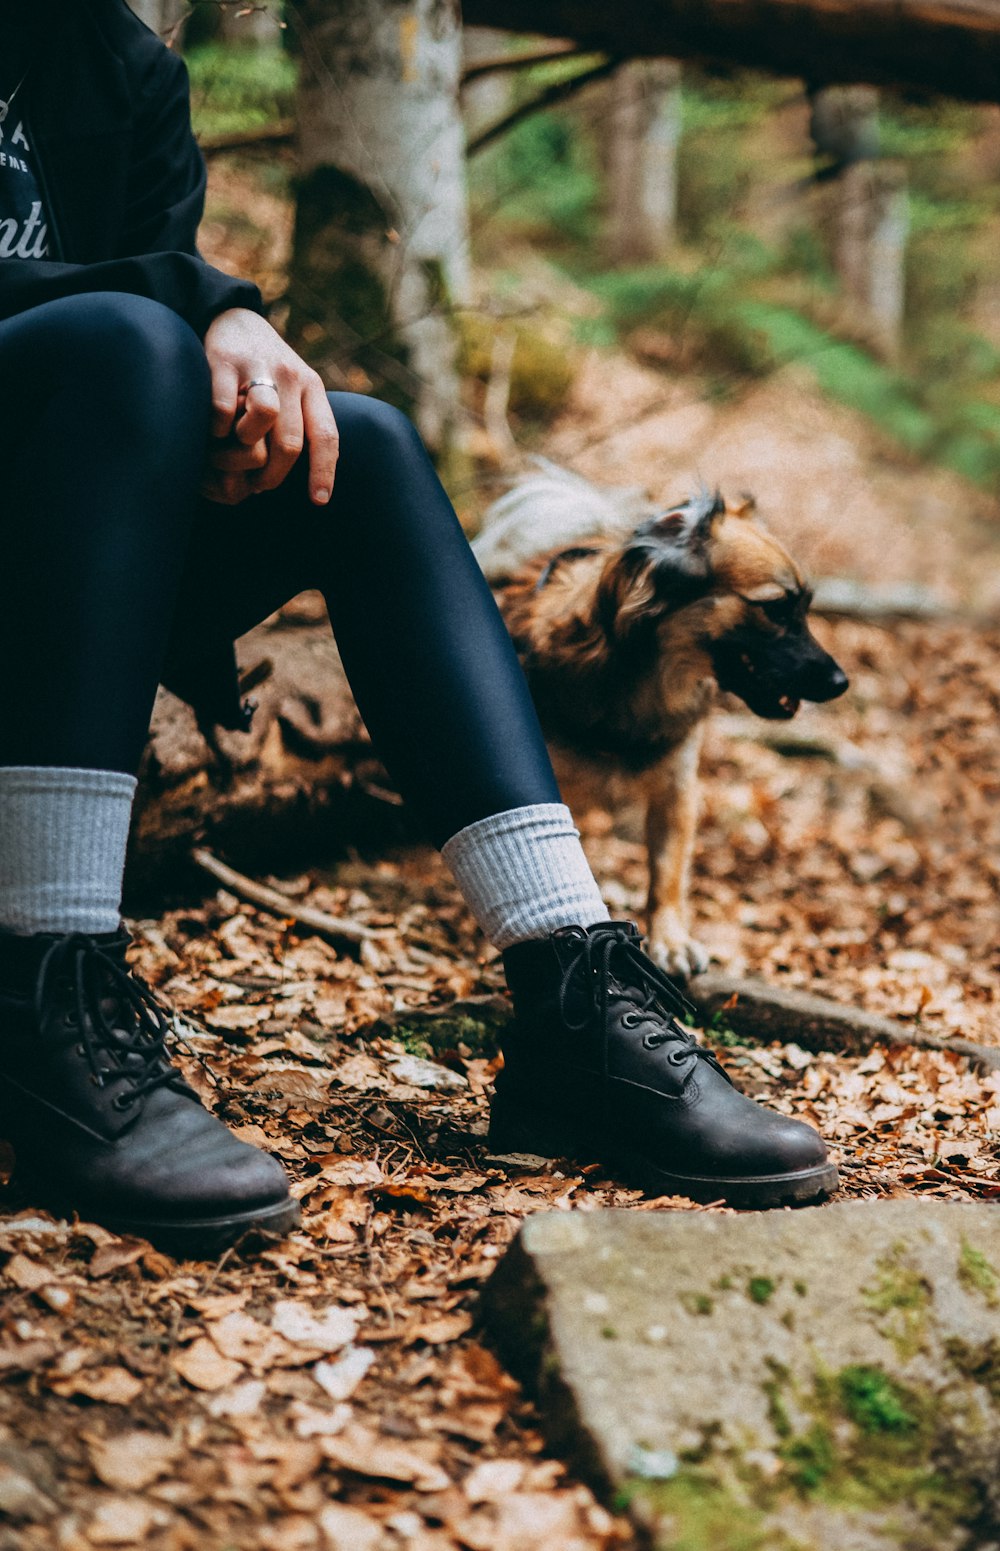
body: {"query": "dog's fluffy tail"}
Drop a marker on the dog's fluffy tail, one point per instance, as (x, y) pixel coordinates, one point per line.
(553, 508)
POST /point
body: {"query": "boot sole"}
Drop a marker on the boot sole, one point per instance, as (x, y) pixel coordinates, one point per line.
(195, 1238)
(516, 1129)
(207, 1238)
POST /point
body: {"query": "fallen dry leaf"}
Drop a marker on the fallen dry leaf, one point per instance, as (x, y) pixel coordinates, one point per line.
(114, 1385)
(341, 1378)
(368, 1453)
(309, 1422)
(321, 1330)
(204, 1367)
(245, 1340)
(132, 1460)
(123, 1521)
(526, 1521)
(26, 1273)
(348, 1529)
(21, 1497)
(492, 1479)
(23, 1356)
(113, 1256)
(442, 1329)
(241, 1400)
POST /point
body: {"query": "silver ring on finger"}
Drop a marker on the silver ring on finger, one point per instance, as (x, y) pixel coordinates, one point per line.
(261, 382)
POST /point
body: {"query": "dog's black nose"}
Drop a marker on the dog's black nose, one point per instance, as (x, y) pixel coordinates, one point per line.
(827, 682)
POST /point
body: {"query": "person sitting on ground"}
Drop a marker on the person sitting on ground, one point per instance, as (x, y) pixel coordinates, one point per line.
(172, 474)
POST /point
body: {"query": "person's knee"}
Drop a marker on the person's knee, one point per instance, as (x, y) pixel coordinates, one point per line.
(370, 429)
(141, 350)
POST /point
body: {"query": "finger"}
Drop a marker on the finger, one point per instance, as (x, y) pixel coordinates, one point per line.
(285, 445)
(323, 439)
(225, 397)
(260, 414)
(234, 458)
(226, 489)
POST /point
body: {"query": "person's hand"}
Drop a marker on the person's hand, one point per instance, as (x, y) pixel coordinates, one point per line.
(260, 431)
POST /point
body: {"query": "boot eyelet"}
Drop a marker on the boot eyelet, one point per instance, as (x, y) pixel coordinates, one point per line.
(97, 1081)
(121, 1101)
(80, 1050)
(630, 1021)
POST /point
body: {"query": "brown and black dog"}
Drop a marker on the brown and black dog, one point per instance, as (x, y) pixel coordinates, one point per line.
(626, 634)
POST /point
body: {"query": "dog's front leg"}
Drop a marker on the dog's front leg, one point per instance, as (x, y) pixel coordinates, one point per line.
(671, 822)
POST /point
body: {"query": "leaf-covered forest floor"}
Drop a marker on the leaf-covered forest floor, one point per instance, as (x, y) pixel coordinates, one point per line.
(335, 1391)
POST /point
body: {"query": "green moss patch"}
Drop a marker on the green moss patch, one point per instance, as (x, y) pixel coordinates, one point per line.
(902, 1298)
(977, 1275)
(874, 1402)
(872, 1443)
(430, 1036)
(695, 1512)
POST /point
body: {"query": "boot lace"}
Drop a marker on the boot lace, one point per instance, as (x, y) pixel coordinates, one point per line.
(113, 1013)
(611, 967)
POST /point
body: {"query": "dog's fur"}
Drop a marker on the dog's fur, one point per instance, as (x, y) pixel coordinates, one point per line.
(627, 620)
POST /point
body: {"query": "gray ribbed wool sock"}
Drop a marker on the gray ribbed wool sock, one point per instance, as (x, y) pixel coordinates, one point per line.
(62, 848)
(523, 873)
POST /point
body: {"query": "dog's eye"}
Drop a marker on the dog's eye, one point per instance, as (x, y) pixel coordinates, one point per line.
(779, 612)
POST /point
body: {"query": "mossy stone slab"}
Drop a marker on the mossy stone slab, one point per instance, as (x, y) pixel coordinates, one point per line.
(770, 1381)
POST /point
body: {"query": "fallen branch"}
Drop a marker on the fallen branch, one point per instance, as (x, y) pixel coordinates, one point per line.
(764, 1012)
(337, 928)
(841, 597)
(248, 139)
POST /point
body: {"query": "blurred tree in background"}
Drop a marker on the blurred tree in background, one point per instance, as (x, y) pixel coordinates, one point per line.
(722, 220)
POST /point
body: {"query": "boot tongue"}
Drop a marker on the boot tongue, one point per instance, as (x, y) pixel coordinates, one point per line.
(21, 953)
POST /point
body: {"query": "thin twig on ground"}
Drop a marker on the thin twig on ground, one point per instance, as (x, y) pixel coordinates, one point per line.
(337, 928)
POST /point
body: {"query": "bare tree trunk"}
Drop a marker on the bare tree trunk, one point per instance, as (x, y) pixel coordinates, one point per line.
(870, 249)
(868, 209)
(381, 241)
(950, 46)
(645, 128)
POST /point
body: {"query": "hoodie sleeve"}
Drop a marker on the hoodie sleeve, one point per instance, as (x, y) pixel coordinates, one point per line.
(157, 253)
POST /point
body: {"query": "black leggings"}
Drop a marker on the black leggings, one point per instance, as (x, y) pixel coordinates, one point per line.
(104, 415)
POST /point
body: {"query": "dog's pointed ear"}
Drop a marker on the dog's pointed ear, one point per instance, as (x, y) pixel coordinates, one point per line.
(744, 506)
(684, 531)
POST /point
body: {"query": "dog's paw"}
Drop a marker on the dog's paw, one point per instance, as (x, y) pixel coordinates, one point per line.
(671, 948)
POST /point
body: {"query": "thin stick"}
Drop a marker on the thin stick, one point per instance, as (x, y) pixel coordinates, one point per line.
(518, 62)
(497, 398)
(338, 928)
(552, 95)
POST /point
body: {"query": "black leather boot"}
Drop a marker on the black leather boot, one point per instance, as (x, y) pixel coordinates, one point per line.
(101, 1123)
(597, 1067)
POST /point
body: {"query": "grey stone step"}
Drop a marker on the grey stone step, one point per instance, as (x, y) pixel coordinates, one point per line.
(827, 1378)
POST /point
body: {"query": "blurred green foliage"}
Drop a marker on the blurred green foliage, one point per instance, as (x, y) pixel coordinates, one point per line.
(234, 89)
(541, 374)
(750, 285)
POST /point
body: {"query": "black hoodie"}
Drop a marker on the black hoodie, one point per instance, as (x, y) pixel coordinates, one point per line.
(106, 108)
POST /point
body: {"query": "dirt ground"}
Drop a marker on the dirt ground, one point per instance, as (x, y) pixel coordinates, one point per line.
(335, 1392)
